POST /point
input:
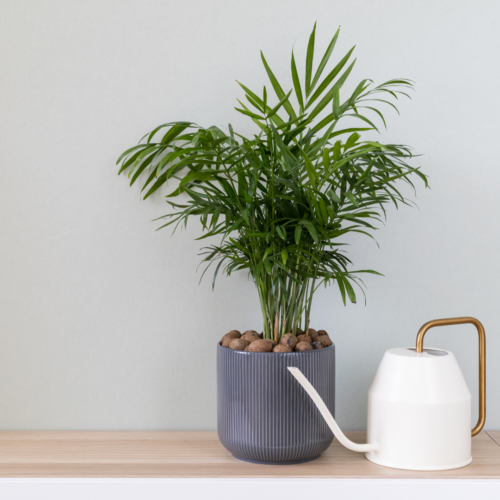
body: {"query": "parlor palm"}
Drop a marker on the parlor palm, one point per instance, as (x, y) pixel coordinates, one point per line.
(282, 199)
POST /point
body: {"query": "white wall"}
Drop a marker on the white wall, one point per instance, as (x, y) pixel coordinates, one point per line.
(102, 322)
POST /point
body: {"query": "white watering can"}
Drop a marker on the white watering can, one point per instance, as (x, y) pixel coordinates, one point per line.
(419, 407)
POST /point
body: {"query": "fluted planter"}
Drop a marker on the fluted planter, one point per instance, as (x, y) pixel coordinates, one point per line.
(263, 414)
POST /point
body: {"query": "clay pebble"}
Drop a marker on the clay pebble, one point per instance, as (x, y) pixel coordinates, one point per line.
(317, 345)
(251, 336)
(250, 331)
(304, 346)
(289, 339)
(304, 338)
(260, 345)
(325, 340)
(226, 340)
(312, 333)
(238, 344)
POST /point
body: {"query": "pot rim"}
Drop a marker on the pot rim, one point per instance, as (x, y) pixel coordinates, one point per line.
(296, 353)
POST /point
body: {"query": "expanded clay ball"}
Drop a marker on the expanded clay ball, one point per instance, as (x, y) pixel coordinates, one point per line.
(251, 336)
(317, 345)
(325, 340)
(271, 342)
(238, 344)
(322, 332)
(304, 346)
(250, 331)
(289, 339)
(312, 333)
(282, 348)
(299, 332)
(304, 338)
(260, 345)
(226, 340)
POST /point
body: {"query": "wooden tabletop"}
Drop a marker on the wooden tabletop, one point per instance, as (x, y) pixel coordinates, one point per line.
(200, 455)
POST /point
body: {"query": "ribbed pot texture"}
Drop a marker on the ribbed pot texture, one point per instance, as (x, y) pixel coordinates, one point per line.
(263, 414)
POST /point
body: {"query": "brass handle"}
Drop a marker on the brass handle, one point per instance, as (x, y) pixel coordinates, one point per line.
(482, 359)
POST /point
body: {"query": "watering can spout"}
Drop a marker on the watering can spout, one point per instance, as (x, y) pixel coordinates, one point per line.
(343, 440)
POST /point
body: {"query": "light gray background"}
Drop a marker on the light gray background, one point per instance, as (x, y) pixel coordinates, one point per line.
(102, 322)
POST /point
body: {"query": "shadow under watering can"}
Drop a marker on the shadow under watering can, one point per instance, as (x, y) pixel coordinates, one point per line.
(419, 407)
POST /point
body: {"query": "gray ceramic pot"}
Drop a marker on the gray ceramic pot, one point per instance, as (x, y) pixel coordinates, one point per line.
(263, 414)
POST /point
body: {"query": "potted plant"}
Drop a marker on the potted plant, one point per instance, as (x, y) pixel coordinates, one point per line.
(279, 202)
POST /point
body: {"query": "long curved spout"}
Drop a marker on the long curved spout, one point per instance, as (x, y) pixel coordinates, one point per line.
(328, 416)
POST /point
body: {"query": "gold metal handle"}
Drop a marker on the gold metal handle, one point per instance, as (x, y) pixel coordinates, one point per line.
(482, 359)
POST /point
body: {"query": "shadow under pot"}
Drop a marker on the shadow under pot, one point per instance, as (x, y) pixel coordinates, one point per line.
(263, 415)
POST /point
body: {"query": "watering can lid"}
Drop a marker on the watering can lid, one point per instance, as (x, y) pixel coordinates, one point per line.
(412, 353)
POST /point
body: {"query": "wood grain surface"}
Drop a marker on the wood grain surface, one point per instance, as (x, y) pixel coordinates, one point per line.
(200, 455)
